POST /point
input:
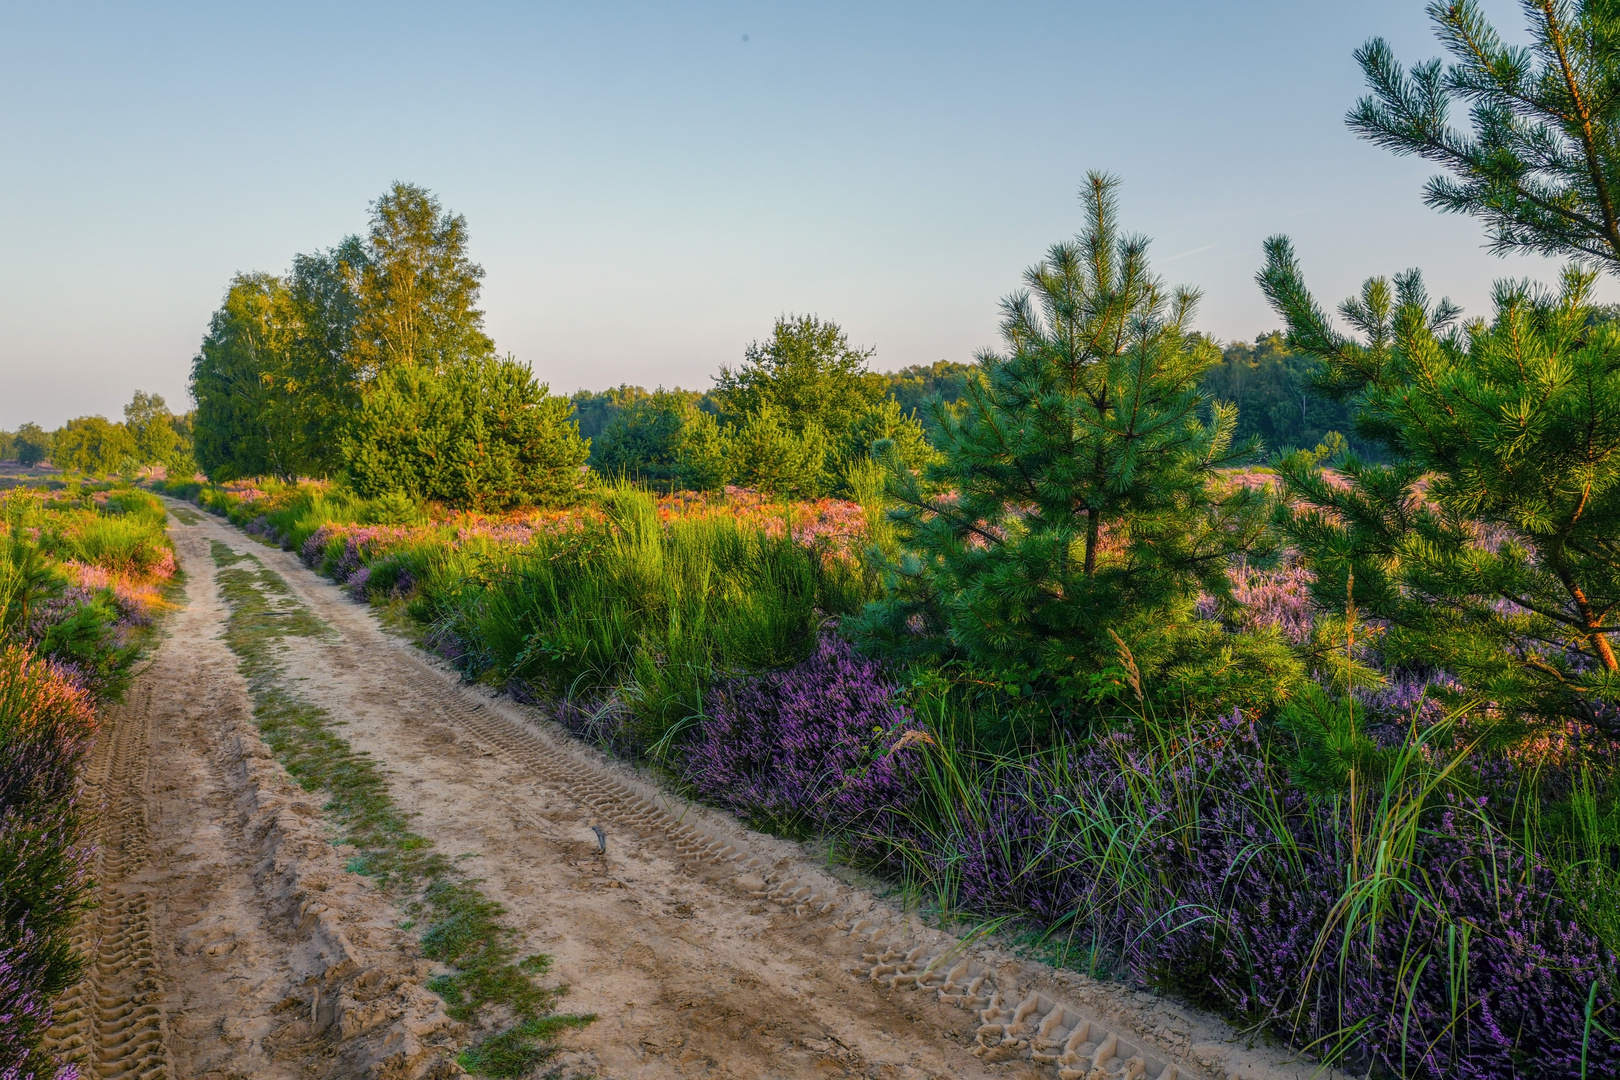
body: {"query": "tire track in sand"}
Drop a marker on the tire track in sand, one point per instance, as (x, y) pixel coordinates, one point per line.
(112, 1020)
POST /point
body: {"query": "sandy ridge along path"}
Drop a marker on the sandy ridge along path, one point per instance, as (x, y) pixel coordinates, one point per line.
(705, 949)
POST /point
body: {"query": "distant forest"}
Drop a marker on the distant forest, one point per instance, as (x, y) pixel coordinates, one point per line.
(1270, 385)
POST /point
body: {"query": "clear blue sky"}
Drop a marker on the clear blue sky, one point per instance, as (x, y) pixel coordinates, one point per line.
(648, 186)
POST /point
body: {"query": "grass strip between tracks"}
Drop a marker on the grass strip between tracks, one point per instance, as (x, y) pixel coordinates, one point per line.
(463, 927)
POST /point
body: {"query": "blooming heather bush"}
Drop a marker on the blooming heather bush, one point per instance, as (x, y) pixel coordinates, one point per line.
(100, 562)
(25, 1015)
(355, 584)
(45, 725)
(1186, 860)
(1277, 597)
(821, 745)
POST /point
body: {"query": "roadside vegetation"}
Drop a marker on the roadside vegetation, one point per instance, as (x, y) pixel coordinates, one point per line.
(1278, 677)
(84, 573)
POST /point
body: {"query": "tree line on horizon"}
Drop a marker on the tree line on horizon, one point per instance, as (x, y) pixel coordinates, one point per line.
(149, 434)
(369, 361)
(637, 432)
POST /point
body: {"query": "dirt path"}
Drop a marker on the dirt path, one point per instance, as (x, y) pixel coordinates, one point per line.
(704, 950)
(224, 911)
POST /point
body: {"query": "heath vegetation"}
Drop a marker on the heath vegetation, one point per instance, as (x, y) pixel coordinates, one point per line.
(1278, 677)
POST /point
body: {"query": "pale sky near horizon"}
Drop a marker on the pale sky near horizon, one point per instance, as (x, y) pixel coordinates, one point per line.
(649, 185)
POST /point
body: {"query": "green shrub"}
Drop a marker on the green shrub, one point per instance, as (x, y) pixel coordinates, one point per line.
(391, 508)
(1078, 507)
(484, 435)
(89, 640)
(769, 455)
(643, 440)
(92, 444)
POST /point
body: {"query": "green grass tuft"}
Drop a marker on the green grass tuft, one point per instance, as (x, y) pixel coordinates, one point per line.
(520, 1049)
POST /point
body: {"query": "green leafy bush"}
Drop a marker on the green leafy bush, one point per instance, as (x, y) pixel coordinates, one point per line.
(483, 435)
(92, 444)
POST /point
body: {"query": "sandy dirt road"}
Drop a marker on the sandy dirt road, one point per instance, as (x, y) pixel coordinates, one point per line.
(232, 941)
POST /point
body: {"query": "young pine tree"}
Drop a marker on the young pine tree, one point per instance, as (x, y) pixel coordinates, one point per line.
(1079, 497)
(1541, 165)
(643, 440)
(703, 460)
(1491, 546)
(772, 456)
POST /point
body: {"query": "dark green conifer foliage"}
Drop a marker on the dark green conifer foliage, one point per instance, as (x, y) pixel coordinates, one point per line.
(1079, 496)
(887, 426)
(643, 439)
(1541, 163)
(769, 455)
(1491, 546)
(704, 460)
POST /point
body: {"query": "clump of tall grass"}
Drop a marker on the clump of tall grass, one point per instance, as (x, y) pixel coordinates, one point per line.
(123, 543)
(306, 508)
(649, 612)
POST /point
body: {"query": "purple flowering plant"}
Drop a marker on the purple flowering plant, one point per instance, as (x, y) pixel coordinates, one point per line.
(1398, 929)
(825, 745)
